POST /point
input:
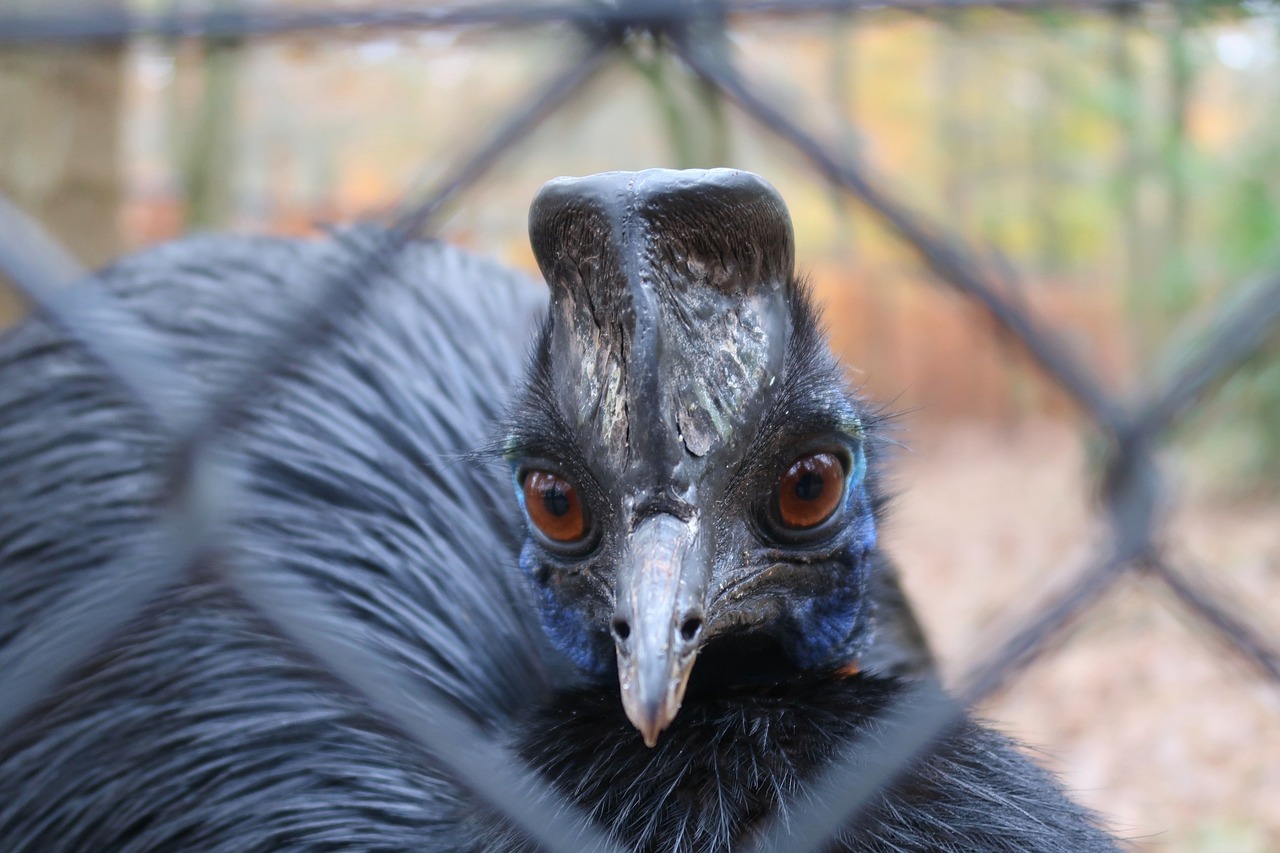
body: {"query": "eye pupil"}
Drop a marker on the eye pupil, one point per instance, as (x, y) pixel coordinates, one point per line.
(556, 501)
(809, 487)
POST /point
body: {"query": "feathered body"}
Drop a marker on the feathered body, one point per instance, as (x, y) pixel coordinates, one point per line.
(199, 728)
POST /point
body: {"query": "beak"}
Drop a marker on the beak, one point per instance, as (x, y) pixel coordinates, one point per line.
(658, 624)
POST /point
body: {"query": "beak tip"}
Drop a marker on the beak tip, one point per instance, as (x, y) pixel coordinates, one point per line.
(651, 705)
(650, 724)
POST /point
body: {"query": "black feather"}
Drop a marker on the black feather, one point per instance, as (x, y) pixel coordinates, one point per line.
(733, 760)
(199, 728)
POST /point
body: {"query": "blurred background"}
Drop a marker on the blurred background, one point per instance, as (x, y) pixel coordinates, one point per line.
(1123, 158)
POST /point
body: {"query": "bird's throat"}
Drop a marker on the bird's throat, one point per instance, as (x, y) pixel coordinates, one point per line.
(741, 662)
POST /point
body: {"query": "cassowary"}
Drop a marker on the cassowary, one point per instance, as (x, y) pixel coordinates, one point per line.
(645, 557)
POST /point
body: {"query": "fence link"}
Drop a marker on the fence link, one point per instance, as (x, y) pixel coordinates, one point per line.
(199, 483)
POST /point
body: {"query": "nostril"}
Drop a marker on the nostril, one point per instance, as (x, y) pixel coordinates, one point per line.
(690, 628)
(621, 630)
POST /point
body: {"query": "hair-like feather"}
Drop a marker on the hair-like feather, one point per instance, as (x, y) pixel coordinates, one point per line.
(730, 763)
(198, 727)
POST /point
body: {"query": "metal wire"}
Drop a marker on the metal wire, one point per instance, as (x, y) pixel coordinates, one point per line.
(198, 481)
(945, 254)
(65, 636)
(47, 276)
(1214, 609)
(527, 115)
(474, 759)
(106, 25)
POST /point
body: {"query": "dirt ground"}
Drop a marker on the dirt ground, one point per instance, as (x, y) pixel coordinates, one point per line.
(1147, 718)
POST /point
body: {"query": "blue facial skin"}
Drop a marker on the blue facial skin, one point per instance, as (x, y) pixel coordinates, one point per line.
(826, 631)
(566, 626)
(833, 629)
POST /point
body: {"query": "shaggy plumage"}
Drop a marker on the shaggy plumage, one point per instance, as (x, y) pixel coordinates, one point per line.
(734, 758)
(199, 728)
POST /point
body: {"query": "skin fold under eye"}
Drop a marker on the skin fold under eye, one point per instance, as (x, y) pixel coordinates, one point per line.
(554, 507)
(810, 491)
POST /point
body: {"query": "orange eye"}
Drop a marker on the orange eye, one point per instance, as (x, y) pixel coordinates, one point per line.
(554, 507)
(810, 491)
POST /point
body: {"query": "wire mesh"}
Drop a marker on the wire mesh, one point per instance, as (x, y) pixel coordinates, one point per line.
(199, 482)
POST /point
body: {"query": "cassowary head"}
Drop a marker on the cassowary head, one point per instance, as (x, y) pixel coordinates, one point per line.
(689, 457)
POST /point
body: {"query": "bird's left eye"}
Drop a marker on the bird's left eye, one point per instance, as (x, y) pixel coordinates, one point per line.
(554, 507)
(810, 491)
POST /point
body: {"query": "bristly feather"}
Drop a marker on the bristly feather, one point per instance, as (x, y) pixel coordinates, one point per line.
(732, 760)
(199, 728)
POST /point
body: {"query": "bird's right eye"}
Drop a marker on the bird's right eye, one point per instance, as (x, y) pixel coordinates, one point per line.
(553, 506)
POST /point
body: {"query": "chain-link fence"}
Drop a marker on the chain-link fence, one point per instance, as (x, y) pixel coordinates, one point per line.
(46, 652)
